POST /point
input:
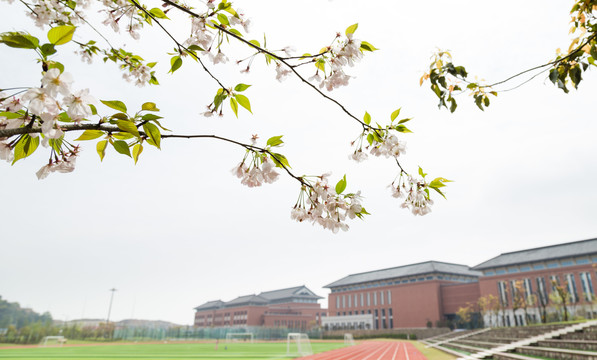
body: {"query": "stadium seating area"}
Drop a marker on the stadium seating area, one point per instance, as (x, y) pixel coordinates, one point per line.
(557, 342)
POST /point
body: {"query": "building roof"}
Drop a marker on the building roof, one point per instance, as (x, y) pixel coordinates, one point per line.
(293, 292)
(576, 248)
(216, 304)
(265, 298)
(247, 299)
(427, 267)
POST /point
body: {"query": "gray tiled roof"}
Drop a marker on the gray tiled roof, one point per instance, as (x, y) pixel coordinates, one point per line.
(577, 248)
(294, 292)
(253, 299)
(427, 267)
(216, 304)
(266, 297)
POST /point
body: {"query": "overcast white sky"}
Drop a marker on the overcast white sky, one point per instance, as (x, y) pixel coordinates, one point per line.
(178, 229)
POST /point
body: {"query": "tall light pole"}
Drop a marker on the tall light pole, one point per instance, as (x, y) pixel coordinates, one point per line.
(110, 307)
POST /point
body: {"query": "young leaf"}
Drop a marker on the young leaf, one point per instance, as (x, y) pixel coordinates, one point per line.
(60, 35)
(137, 150)
(275, 141)
(101, 149)
(351, 29)
(395, 114)
(241, 87)
(127, 126)
(234, 106)
(90, 135)
(158, 13)
(365, 46)
(367, 118)
(154, 133)
(421, 172)
(175, 63)
(122, 147)
(280, 160)
(341, 185)
(438, 182)
(115, 104)
(149, 106)
(19, 40)
(243, 101)
(223, 19)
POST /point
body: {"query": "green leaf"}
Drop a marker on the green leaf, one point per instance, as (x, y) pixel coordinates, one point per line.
(438, 182)
(367, 118)
(90, 135)
(243, 101)
(234, 106)
(149, 106)
(365, 46)
(60, 35)
(241, 87)
(395, 114)
(176, 63)
(48, 49)
(115, 104)
(370, 139)
(128, 126)
(421, 172)
(341, 185)
(280, 160)
(223, 19)
(101, 149)
(122, 135)
(122, 147)
(25, 147)
(119, 116)
(93, 109)
(255, 42)
(19, 40)
(402, 129)
(275, 141)
(158, 13)
(151, 117)
(137, 150)
(320, 64)
(154, 133)
(404, 120)
(351, 29)
(235, 32)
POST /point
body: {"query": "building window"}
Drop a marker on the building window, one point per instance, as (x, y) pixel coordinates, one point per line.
(538, 267)
(528, 289)
(337, 302)
(552, 265)
(582, 261)
(381, 297)
(389, 297)
(554, 280)
(587, 286)
(512, 270)
(376, 325)
(383, 318)
(362, 300)
(349, 301)
(344, 301)
(375, 298)
(572, 288)
(368, 299)
(356, 302)
(525, 268)
(541, 290)
(503, 292)
(500, 272)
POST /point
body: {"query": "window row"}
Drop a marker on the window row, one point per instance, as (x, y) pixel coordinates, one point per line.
(364, 299)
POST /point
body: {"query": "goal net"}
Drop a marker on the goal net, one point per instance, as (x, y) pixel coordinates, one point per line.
(52, 340)
(236, 337)
(348, 339)
(298, 344)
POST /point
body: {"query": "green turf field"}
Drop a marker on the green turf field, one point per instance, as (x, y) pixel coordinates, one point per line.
(234, 351)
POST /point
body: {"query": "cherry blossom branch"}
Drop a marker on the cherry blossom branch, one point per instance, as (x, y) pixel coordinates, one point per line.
(277, 57)
(178, 44)
(6, 133)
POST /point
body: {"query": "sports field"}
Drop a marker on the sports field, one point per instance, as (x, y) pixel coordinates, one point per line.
(233, 351)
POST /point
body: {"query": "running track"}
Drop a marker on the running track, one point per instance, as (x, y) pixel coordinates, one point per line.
(372, 350)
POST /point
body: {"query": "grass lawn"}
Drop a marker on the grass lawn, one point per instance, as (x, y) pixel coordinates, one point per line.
(234, 351)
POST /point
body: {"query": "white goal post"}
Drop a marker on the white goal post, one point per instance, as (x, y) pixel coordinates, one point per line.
(248, 336)
(298, 344)
(348, 339)
(60, 340)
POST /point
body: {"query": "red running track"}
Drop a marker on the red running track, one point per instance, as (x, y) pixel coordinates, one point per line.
(372, 350)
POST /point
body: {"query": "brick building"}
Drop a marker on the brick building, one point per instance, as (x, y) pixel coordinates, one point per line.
(532, 275)
(420, 294)
(401, 297)
(294, 308)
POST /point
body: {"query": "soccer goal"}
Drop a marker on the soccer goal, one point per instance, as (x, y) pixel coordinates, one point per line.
(236, 337)
(52, 340)
(298, 344)
(348, 339)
